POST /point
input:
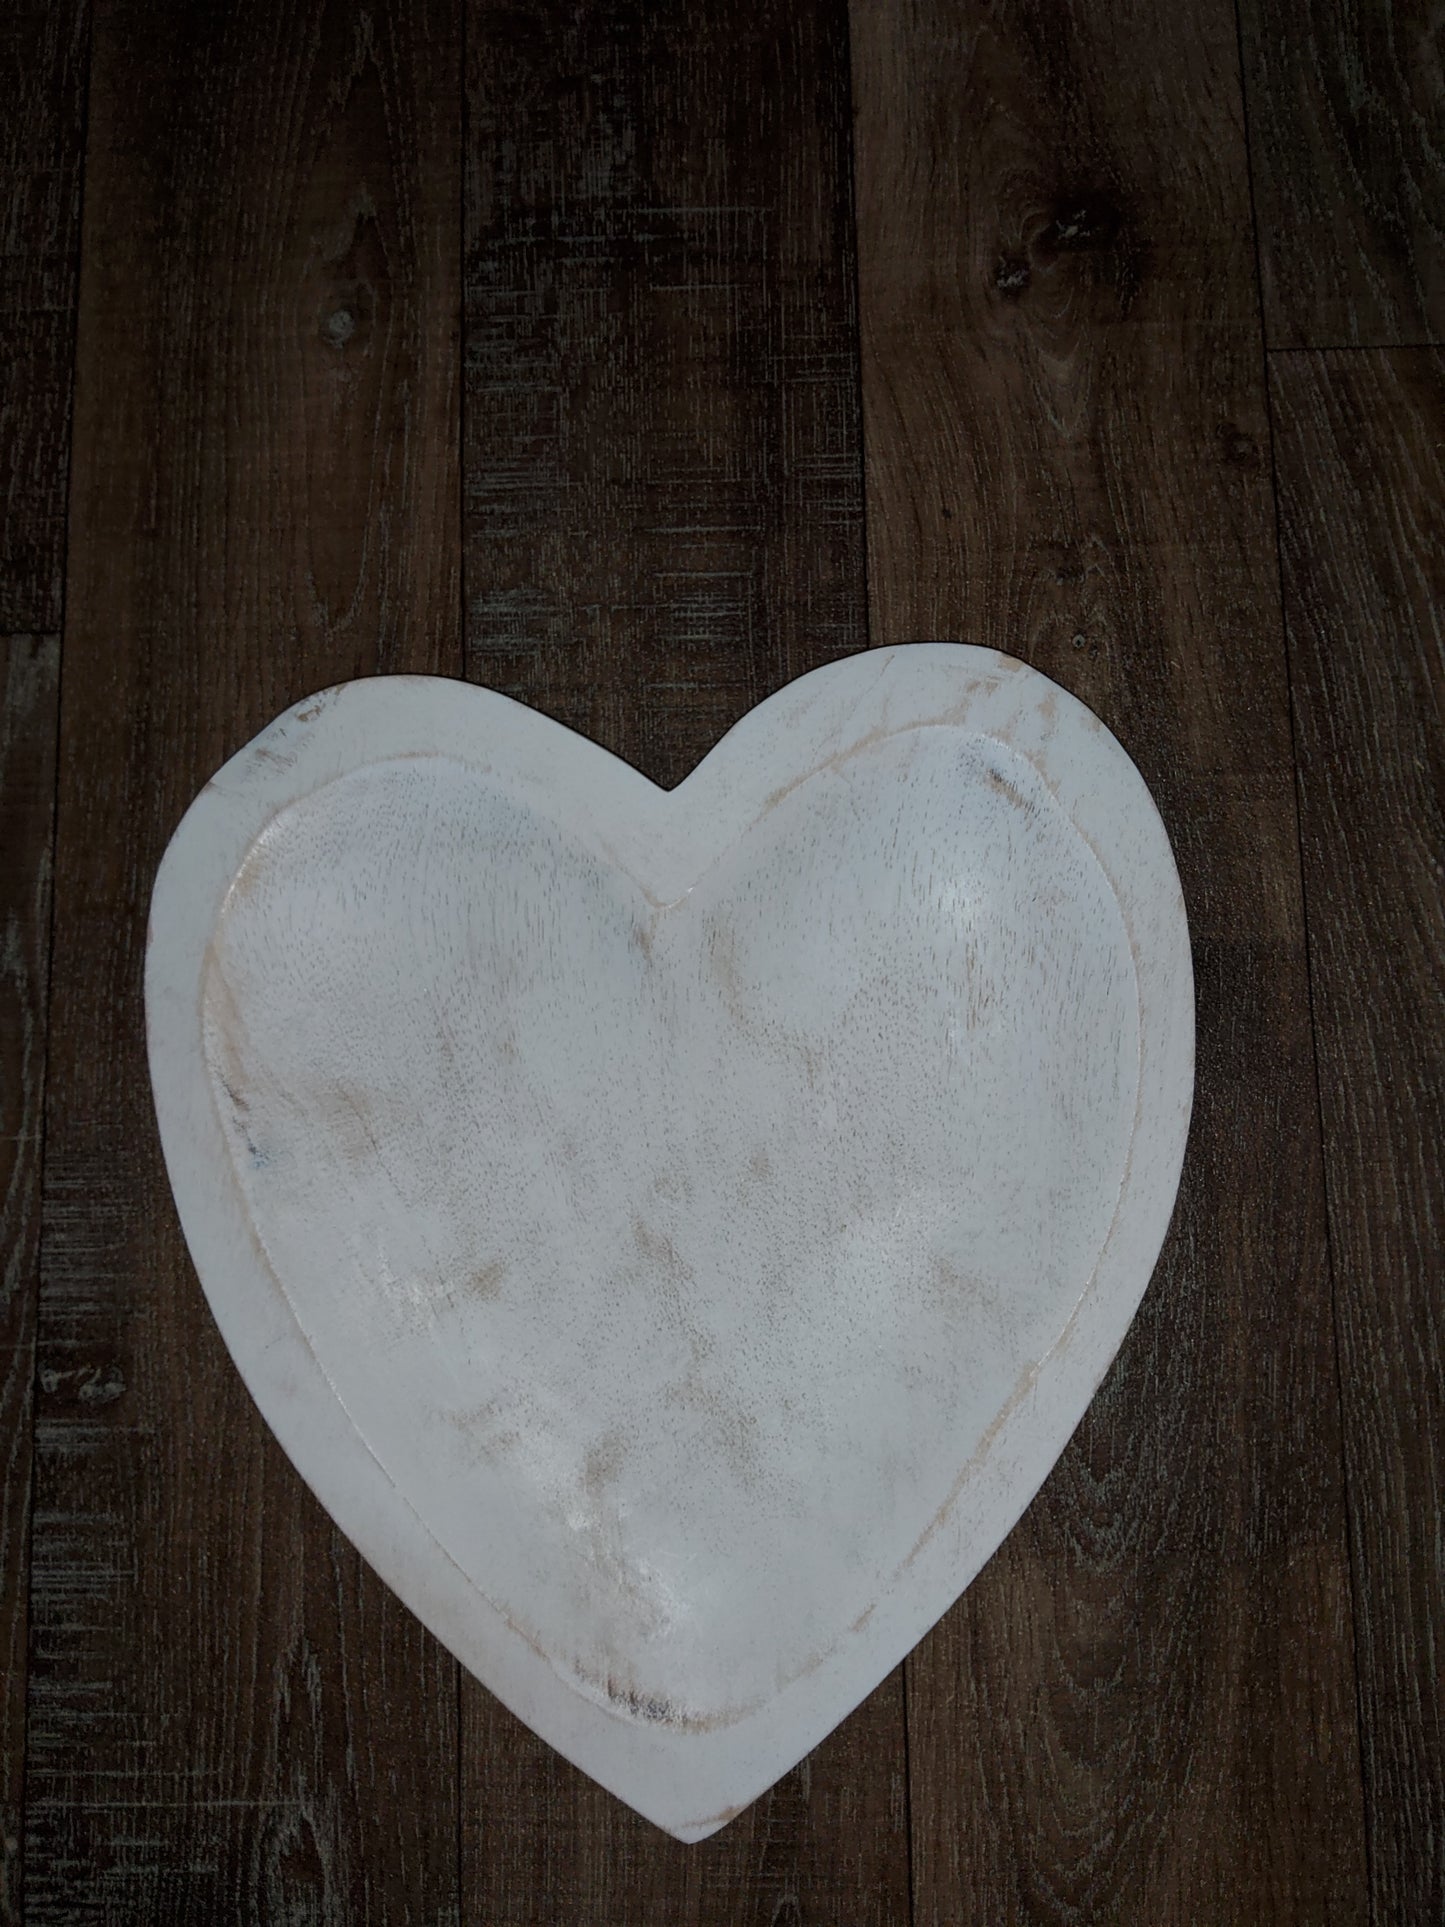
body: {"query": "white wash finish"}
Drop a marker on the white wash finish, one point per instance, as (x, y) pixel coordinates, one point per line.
(674, 1233)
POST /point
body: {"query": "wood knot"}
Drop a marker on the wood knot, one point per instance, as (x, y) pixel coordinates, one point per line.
(1235, 447)
(339, 327)
(1082, 223)
(1085, 225)
(84, 1384)
(1012, 276)
(345, 313)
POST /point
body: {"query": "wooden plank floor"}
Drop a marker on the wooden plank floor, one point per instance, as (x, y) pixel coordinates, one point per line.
(663, 522)
(634, 362)
(229, 1717)
(1087, 1730)
(1361, 441)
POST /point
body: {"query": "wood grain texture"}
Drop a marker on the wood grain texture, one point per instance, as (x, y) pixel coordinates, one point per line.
(43, 50)
(1359, 441)
(1347, 133)
(663, 523)
(663, 514)
(230, 1719)
(1143, 1710)
(29, 673)
(542, 1842)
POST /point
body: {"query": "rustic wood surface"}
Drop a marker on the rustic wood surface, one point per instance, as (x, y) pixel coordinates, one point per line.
(229, 1717)
(29, 675)
(424, 323)
(1347, 127)
(43, 50)
(664, 522)
(1074, 297)
(1360, 440)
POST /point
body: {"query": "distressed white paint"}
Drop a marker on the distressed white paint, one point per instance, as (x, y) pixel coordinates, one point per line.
(675, 1233)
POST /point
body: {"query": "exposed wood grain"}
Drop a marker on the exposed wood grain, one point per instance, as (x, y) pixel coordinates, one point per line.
(231, 1719)
(662, 466)
(1347, 131)
(1359, 440)
(1143, 1710)
(29, 669)
(43, 47)
(542, 1842)
(663, 523)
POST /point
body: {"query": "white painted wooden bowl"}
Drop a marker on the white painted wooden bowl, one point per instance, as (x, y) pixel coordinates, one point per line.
(674, 1233)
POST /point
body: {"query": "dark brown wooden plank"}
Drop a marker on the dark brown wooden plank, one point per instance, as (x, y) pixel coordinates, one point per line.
(1347, 129)
(1360, 442)
(663, 513)
(663, 523)
(29, 672)
(231, 1719)
(43, 47)
(1143, 1709)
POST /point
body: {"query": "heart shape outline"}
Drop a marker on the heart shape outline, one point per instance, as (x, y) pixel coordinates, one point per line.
(688, 1779)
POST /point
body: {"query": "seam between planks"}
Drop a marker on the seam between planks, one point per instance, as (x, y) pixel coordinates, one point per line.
(851, 131)
(459, 1684)
(1267, 354)
(1435, 342)
(905, 1663)
(464, 127)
